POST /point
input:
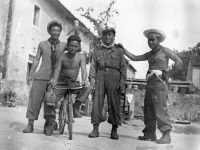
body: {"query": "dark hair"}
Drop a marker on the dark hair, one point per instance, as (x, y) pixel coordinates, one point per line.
(55, 24)
(74, 38)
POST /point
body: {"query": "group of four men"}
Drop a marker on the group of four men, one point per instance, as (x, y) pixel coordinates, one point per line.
(107, 76)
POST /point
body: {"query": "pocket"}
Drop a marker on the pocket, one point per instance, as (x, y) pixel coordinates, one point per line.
(115, 56)
(155, 85)
(115, 59)
(99, 58)
(100, 62)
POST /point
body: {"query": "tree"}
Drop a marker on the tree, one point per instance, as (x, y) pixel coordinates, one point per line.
(102, 17)
(185, 56)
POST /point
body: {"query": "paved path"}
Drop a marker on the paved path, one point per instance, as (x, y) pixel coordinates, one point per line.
(13, 121)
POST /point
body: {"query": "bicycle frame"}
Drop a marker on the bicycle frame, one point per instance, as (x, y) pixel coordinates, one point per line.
(66, 110)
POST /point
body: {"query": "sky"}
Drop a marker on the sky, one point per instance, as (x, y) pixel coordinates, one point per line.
(179, 19)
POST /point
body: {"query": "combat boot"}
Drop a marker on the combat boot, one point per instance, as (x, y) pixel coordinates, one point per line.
(45, 126)
(95, 131)
(76, 107)
(114, 134)
(52, 125)
(148, 136)
(29, 128)
(165, 139)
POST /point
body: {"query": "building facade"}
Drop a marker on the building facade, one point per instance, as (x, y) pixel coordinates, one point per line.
(193, 71)
(130, 71)
(24, 25)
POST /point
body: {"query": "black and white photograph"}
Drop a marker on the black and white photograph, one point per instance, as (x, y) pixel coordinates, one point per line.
(99, 75)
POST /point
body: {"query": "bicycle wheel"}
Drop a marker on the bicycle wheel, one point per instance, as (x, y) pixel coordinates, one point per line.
(62, 117)
(70, 120)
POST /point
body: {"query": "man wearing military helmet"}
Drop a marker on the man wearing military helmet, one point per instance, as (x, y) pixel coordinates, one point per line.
(48, 50)
(155, 102)
(107, 76)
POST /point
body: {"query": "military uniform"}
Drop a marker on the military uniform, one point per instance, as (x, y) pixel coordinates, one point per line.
(108, 68)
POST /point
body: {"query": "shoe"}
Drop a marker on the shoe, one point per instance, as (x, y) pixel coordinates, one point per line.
(76, 107)
(114, 134)
(52, 125)
(147, 137)
(94, 133)
(76, 113)
(165, 139)
(29, 128)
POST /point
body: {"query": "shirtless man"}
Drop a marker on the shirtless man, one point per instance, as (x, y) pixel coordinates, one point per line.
(155, 102)
(66, 71)
(49, 51)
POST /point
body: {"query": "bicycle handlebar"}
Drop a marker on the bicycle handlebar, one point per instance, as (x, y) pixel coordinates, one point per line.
(71, 88)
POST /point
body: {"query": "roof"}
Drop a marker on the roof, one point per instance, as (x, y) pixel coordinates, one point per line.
(68, 15)
(195, 60)
(130, 66)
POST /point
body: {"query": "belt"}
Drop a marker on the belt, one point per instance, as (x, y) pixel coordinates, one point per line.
(106, 69)
(157, 73)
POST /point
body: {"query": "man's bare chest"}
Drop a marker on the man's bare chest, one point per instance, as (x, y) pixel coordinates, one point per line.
(71, 63)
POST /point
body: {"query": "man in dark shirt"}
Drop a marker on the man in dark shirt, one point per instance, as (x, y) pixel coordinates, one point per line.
(107, 75)
(48, 50)
(155, 102)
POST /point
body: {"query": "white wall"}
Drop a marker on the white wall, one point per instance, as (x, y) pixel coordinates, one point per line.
(25, 36)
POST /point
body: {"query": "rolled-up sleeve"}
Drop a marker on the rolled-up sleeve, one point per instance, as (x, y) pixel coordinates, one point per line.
(123, 68)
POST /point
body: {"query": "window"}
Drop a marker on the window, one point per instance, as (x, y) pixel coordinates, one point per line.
(36, 16)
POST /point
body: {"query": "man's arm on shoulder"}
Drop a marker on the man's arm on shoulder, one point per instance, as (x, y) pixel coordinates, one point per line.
(132, 56)
(178, 62)
(83, 68)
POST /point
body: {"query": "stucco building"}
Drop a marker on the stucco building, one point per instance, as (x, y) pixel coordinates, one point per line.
(23, 25)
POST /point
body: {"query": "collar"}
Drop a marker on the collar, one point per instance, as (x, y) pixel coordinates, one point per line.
(108, 47)
(158, 48)
(53, 43)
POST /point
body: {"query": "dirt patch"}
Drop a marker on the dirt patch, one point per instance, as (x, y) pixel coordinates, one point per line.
(178, 105)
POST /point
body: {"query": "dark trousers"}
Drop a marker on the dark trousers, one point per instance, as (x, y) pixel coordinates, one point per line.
(50, 111)
(106, 82)
(155, 106)
(36, 97)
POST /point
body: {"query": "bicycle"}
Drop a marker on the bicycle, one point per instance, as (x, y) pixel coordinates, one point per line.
(66, 107)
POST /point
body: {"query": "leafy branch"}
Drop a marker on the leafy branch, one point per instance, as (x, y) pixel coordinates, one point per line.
(102, 17)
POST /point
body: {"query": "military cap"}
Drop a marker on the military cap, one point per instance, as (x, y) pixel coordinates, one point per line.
(52, 24)
(155, 31)
(106, 26)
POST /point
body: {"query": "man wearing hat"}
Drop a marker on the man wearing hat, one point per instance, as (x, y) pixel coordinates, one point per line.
(107, 75)
(155, 102)
(48, 50)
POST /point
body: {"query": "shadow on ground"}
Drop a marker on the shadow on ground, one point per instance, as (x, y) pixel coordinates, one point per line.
(19, 127)
(188, 129)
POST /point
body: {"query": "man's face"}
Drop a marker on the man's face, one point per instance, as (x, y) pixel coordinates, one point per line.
(73, 47)
(153, 41)
(55, 32)
(108, 37)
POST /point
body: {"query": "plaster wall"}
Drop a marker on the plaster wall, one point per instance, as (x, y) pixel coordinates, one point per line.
(25, 36)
